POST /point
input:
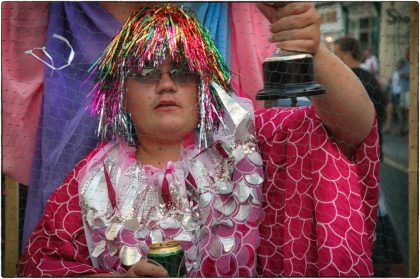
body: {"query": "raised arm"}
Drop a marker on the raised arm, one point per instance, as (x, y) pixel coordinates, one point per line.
(346, 109)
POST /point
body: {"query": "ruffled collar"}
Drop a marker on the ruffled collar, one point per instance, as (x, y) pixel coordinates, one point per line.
(199, 200)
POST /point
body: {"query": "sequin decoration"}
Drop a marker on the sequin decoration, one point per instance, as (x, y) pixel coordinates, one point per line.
(129, 255)
(228, 243)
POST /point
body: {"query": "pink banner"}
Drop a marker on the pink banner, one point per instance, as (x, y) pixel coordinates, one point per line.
(24, 26)
(249, 48)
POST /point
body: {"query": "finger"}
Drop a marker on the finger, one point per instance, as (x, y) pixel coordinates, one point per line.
(310, 17)
(270, 12)
(294, 8)
(144, 268)
(307, 33)
(307, 46)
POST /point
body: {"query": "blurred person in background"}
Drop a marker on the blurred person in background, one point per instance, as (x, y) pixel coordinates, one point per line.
(402, 111)
(369, 62)
(399, 87)
(395, 89)
(349, 50)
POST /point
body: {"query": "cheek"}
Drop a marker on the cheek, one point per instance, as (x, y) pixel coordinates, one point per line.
(138, 105)
(194, 116)
(193, 108)
(137, 97)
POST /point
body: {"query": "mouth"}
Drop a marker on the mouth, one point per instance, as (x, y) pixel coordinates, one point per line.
(167, 105)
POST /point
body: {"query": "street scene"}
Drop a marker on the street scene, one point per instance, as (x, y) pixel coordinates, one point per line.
(383, 28)
(210, 139)
(391, 248)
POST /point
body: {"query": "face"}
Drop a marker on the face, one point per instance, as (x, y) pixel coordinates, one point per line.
(366, 52)
(163, 102)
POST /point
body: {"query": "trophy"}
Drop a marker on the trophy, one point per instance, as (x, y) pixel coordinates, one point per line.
(288, 74)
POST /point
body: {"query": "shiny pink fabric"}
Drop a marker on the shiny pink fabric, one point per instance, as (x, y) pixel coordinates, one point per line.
(249, 47)
(236, 260)
(24, 26)
(320, 207)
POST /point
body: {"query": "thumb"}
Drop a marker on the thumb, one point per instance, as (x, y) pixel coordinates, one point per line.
(143, 268)
(269, 11)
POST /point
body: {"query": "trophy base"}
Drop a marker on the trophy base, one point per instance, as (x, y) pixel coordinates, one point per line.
(290, 91)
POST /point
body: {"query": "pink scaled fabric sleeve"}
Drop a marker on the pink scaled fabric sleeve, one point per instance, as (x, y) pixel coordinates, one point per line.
(57, 246)
(320, 207)
(24, 27)
(249, 49)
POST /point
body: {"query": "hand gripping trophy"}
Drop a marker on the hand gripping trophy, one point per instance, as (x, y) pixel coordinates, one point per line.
(288, 74)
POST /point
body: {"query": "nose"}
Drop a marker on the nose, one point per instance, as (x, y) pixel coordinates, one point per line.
(166, 84)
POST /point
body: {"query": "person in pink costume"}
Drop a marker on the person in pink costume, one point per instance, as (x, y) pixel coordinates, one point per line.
(278, 192)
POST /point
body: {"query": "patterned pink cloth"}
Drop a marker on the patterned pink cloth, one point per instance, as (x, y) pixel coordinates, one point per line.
(57, 247)
(320, 208)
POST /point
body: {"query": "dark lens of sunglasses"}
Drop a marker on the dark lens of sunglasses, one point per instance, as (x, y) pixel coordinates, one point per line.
(147, 75)
(185, 77)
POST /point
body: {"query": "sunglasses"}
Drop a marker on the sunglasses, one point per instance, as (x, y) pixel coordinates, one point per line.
(150, 75)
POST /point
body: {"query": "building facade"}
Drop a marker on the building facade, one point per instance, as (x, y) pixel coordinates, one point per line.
(383, 26)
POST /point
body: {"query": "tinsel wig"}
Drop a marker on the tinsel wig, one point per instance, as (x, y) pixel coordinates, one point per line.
(149, 36)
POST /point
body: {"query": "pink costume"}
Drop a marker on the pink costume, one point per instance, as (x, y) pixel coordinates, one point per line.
(302, 209)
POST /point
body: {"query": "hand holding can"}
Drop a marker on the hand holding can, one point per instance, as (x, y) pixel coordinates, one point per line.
(170, 255)
(146, 269)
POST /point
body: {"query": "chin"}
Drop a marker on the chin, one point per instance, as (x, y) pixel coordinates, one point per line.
(173, 130)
